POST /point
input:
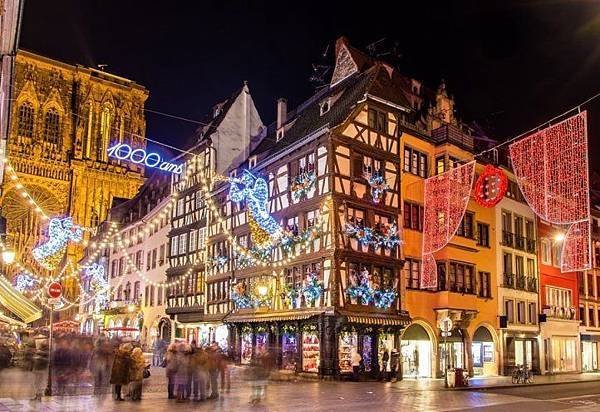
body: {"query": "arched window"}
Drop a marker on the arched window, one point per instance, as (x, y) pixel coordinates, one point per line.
(125, 132)
(52, 127)
(103, 139)
(25, 125)
(94, 219)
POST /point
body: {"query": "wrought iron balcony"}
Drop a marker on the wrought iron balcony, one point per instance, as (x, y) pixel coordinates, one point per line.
(530, 245)
(507, 238)
(508, 280)
(532, 284)
(519, 242)
(520, 283)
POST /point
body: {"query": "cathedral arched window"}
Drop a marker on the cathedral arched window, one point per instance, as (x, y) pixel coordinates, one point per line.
(52, 127)
(26, 115)
(125, 131)
(94, 220)
(105, 131)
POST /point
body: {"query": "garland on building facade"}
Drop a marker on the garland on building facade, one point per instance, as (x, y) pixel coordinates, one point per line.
(378, 185)
(363, 290)
(302, 184)
(383, 235)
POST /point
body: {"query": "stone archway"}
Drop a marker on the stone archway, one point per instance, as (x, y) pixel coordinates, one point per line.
(484, 350)
(419, 335)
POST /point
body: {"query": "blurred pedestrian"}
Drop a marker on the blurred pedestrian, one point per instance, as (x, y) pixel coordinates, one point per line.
(121, 369)
(100, 365)
(199, 363)
(214, 360)
(181, 377)
(138, 364)
(170, 369)
(225, 373)
(40, 368)
(355, 359)
(385, 359)
(260, 372)
(394, 362)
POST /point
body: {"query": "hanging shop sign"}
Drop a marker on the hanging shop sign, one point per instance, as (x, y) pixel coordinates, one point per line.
(491, 186)
(123, 151)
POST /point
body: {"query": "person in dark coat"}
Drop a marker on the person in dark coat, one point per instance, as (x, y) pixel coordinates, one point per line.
(121, 369)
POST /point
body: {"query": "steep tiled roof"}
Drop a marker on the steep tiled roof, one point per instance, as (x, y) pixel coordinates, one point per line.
(379, 80)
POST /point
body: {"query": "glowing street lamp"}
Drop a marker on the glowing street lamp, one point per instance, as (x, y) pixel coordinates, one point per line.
(8, 256)
(262, 290)
(559, 237)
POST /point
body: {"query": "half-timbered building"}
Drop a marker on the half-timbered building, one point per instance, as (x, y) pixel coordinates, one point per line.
(327, 284)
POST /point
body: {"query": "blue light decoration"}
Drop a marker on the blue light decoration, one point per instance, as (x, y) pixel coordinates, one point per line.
(378, 186)
(383, 235)
(123, 151)
(24, 282)
(312, 289)
(362, 289)
(384, 298)
(60, 232)
(290, 296)
(264, 229)
(240, 296)
(302, 184)
(219, 261)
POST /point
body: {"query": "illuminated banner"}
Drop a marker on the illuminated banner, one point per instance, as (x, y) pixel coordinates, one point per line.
(123, 151)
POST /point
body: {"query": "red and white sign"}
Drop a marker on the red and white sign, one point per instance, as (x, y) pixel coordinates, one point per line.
(55, 290)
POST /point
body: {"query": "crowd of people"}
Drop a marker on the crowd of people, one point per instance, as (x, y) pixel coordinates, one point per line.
(193, 371)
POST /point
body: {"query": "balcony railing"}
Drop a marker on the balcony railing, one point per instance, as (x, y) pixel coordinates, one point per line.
(520, 284)
(508, 280)
(560, 312)
(519, 242)
(507, 238)
(532, 284)
(530, 245)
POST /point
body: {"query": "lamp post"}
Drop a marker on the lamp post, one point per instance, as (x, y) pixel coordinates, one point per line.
(445, 325)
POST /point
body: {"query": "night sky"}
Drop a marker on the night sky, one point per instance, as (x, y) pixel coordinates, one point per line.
(510, 64)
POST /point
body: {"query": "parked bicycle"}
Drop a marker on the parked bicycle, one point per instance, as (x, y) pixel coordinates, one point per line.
(522, 374)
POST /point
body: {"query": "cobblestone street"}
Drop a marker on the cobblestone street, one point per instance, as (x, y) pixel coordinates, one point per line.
(576, 392)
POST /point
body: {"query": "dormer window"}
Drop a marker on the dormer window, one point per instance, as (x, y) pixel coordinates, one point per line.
(252, 162)
(325, 105)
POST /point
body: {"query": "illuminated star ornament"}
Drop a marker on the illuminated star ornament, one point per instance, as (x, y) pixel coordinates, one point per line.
(60, 232)
(264, 229)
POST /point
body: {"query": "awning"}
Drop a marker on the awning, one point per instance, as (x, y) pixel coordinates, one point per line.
(272, 316)
(18, 304)
(377, 319)
(11, 321)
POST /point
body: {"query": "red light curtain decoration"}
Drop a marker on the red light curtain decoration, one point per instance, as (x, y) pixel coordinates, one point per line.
(551, 167)
(446, 199)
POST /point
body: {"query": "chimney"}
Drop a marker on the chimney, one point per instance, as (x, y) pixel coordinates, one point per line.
(281, 112)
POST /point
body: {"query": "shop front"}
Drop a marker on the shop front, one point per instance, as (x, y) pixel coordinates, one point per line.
(520, 349)
(452, 352)
(562, 346)
(589, 352)
(309, 342)
(416, 349)
(483, 351)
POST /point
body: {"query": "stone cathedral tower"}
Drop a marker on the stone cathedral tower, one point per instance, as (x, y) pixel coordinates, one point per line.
(63, 119)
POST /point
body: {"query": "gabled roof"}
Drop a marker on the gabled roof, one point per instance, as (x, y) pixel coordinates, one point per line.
(378, 80)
